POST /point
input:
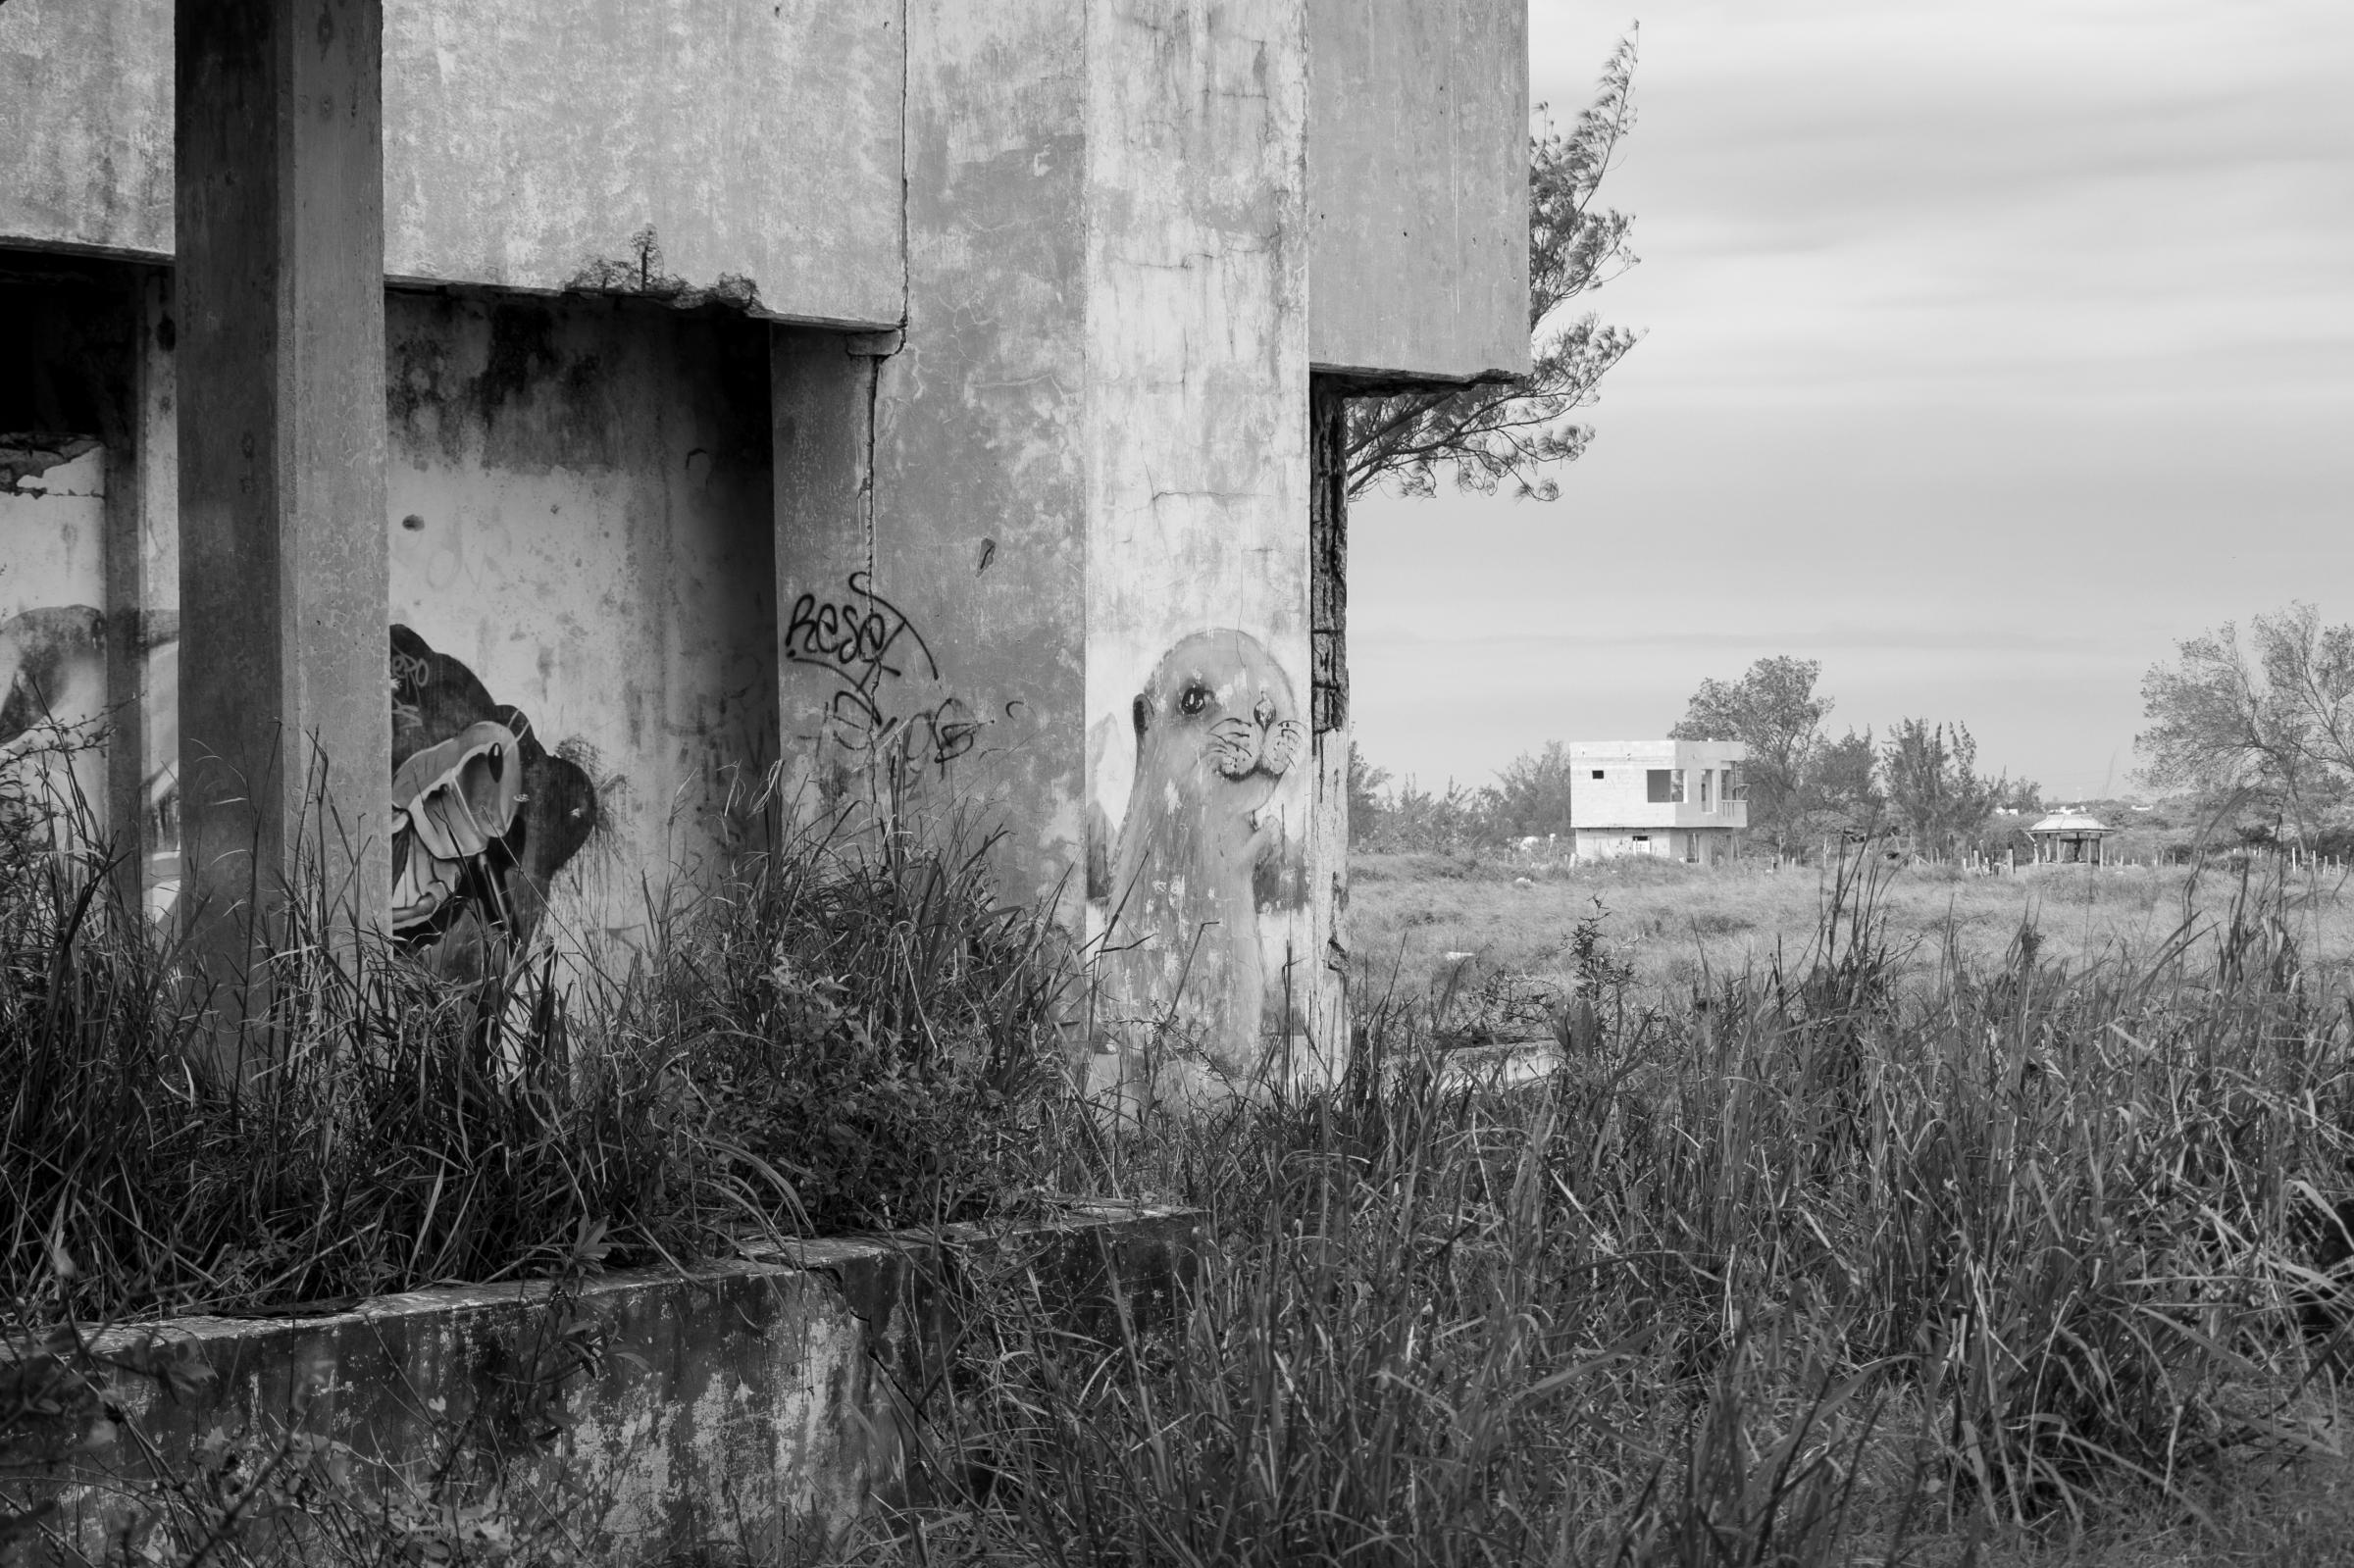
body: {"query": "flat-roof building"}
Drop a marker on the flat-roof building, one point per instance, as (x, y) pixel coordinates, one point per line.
(1675, 800)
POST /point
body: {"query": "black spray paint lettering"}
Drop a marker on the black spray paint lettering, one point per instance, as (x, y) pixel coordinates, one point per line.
(855, 638)
(866, 642)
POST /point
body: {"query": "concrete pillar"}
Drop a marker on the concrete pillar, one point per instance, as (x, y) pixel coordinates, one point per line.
(142, 583)
(1091, 468)
(1196, 442)
(285, 733)
(821, 402)
(979, 490)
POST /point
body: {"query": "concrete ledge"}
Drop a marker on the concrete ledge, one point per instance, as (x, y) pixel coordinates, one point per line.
(756, 1406)
(1506, 1064)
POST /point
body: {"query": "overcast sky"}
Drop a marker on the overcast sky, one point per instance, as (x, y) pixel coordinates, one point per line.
(1994, 347)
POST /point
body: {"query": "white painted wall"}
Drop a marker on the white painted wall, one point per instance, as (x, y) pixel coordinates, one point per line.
(1620, 797)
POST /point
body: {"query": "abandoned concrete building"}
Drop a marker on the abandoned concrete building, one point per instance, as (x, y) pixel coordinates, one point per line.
(1675, 800)
(684, 395)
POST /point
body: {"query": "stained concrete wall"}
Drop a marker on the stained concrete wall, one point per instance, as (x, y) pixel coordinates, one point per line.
(579, 517)
(749, 1409)
(981, 487)
(526, 145)
(1418, 186)
(1073, 491)
(581, 502)
(1089, 487)
(1198, 679)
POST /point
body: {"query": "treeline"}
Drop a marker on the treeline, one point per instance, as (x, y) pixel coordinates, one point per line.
(1921, 780)
(1530, 796)
(2256, 724)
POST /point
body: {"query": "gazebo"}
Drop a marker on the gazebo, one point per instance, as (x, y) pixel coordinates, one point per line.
(2068, 837)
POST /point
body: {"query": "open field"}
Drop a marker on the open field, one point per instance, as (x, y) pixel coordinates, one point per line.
(1886, 1259)
(1672, 923)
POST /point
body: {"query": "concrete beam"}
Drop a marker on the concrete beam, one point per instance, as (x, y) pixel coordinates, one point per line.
(285, 751)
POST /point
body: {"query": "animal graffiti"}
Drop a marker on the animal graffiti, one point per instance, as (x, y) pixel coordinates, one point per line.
(1216, 727)
(52, 707)
(54, 711)
(484, 816)
(52, 669)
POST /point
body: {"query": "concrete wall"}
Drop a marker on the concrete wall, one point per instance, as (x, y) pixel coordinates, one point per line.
(580, 521)
(1418, 186)
(526, 145)
(746, 1410)
(1706, 846)
(529, 144)
(981, 472)
(1198, 679)
(1089, 470)
(581, 502)
(1072, 491)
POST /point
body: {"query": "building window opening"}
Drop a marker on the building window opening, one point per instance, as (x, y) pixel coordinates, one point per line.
(1666, 786)
(1597, 772)
(1707, 790)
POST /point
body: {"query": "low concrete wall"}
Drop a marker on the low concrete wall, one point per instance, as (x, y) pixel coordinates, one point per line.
(753, 1407)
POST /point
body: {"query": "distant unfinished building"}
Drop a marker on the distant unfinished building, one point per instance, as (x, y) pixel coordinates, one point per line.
(1675, 800)
(563, 416)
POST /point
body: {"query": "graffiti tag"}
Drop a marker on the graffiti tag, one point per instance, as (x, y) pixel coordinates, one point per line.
(856, 639)
(865, 642)
(408, 671)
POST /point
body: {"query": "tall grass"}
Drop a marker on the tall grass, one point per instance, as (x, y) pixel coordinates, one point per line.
(846, 1031)
(1820, 1264)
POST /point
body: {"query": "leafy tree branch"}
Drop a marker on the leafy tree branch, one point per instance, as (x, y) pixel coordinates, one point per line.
(1494, 435)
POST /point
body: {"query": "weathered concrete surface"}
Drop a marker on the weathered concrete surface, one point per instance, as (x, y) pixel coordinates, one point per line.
(86, 125)
(1120, 233)
(822, 405)
(752, 1408)
(142, 599)
(1197, 669)
(280, 294)
(526, 142)
(1418, 186)
(980, 490)
(579, 509)
(758, 141)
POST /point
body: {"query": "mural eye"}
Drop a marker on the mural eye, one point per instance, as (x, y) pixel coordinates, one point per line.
(1193, 700)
